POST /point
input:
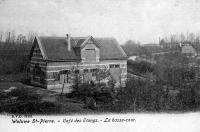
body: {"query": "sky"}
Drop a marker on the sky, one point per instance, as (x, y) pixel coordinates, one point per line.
(140, 20)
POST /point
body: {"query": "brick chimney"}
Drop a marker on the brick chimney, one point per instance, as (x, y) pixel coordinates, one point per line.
(68, 38)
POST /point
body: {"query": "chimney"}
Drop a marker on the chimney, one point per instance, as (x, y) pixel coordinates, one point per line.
(68, 42)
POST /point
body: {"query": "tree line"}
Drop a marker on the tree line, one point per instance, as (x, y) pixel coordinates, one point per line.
(14, 51)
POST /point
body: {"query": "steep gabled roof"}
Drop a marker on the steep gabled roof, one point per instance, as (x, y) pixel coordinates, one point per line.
(85, 42)
(110, 49)
(55, 48)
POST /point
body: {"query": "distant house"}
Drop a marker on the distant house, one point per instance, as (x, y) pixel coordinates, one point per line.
(133, 58)
(142, 58)
(188, 50)
(52, 60)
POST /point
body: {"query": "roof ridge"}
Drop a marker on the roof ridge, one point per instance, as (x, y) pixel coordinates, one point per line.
(50, 37)
(61, 37)
(104, 38)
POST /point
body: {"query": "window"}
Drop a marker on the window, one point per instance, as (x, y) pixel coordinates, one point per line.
(50, 75)
(114, 66)
(85, 70)
(36, 72)
(65, 76)
(42, 78)
(94, 71)
(117, 66)
(56, 76)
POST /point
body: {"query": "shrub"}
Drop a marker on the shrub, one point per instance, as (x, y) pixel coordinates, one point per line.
(24, 95)
(29, 103)
(140, 67)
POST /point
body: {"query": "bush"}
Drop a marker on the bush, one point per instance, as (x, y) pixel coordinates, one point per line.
(140, 67)
(14, 57)
(28, 103)
(23, 94)
(83, 90)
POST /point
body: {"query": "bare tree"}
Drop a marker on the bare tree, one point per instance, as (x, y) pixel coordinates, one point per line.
(182, 37)
(21, 39)
(12, 37)
(7, 36)
(1, 36)
(191, 37)
(30, 36)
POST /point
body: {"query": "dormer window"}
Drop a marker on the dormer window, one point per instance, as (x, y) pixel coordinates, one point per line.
(90, 51)
(90, 54)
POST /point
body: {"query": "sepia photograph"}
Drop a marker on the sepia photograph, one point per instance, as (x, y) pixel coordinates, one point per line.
(111, 64)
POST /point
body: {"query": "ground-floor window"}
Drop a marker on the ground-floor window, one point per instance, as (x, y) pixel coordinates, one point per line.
(85, 70)
(66, 76)
(114, 66)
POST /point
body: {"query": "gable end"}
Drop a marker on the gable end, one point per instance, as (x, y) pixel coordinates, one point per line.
(37, 52)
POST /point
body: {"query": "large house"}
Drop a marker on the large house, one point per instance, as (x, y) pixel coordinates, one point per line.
(53, 60)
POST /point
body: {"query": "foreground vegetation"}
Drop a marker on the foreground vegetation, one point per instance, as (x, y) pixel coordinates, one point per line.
(172, 84)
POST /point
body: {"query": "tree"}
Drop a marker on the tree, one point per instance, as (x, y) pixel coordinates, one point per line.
(191, 37)
(1, 36)
(30, 36)
(21, 39)
(182, 37)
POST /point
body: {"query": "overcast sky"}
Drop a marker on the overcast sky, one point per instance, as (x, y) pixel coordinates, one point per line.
(140, 20)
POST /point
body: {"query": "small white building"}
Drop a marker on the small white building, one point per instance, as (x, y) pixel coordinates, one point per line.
(188, 50)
